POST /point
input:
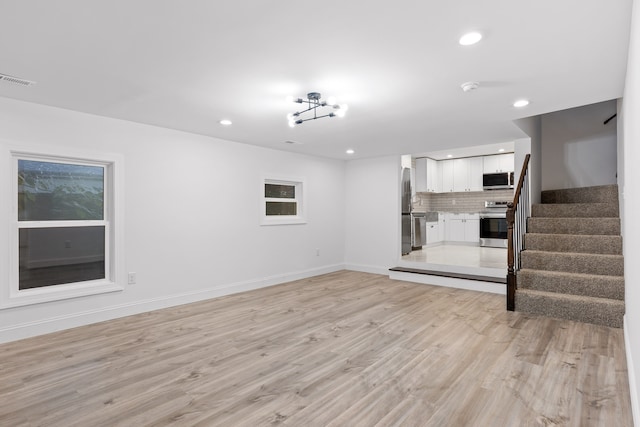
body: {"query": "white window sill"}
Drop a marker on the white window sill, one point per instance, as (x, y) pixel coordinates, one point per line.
(283, 221)
(59, 292)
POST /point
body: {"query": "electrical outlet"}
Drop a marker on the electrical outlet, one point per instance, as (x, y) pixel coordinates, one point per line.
(131, 278)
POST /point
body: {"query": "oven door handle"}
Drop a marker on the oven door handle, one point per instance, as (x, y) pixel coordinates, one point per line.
(491, 216)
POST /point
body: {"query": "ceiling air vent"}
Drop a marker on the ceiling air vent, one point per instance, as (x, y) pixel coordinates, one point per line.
(15, 80)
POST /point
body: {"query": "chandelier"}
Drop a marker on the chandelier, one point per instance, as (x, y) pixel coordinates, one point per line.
(314, 103)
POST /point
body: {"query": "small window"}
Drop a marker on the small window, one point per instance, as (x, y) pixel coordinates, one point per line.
(282, 202)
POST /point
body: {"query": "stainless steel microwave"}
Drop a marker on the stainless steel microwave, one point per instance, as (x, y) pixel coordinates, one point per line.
(497, 181)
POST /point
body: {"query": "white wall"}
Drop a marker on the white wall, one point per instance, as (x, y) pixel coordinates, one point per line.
(373, 214)
(532, 126)
(192, 208)
(577, 149)
(620, 160)
(631, 183)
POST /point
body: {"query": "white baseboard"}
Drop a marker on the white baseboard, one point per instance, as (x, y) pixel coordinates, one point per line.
(633, 387)
(373, 269)
(53, 324)
(450, 282)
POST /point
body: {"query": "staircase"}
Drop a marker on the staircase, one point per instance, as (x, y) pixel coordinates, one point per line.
(572, 265)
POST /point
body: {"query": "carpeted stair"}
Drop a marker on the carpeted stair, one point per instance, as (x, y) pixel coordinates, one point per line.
(572, 264)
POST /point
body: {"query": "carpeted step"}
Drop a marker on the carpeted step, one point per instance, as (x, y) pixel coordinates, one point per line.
(574, 243)
(597, 194)
(575, 210)
(600, 311)
(600, 226)
(606, 265)
(572, 283)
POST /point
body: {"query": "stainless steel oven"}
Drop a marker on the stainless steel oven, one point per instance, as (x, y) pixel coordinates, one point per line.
(493, 225)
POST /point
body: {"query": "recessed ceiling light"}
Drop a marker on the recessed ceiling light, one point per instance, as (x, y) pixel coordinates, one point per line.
(225, 122)
(501, 150)
(469, 86)
(350, 151)
(521, 103)
(449, 156)
(470, 38)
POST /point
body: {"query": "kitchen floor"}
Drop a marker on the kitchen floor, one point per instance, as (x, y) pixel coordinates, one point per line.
(460, 255)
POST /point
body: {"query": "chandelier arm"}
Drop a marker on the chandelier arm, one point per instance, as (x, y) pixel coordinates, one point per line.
(314, 118)
(304, 111)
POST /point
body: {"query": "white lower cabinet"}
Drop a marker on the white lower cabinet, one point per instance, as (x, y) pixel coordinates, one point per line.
(433, 235)
(472, 228)
(462, 227)
(454, 229)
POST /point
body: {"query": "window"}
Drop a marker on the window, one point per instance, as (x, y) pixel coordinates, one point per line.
(63, 244)
(282, 202)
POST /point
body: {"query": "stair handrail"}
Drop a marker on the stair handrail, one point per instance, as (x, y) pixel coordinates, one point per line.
(517, 213)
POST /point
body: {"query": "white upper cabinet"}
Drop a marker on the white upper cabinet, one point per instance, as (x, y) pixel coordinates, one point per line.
(498, 163)
(427, 175)
(434, 180)
(458, 175)
(467, 174)
(447, 176)
(475, 173)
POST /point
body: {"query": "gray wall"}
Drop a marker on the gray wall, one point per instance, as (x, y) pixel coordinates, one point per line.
(578, 150)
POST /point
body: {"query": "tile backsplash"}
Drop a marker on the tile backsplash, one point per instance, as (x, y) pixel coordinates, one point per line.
(465, 202)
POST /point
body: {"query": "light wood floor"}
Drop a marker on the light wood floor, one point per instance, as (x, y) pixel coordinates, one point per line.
(343, 349)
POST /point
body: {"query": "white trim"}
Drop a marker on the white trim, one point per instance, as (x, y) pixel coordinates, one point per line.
(451, 268)
(53, 324)
(373, 269)
(633, 386)
(450, 282)
(59, 292)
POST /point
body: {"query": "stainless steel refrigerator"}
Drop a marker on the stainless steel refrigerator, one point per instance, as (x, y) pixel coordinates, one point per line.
(406, 210)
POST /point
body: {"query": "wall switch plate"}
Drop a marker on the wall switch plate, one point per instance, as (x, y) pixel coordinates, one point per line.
(317, 251)
(131, 278)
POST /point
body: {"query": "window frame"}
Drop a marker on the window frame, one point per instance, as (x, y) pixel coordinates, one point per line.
(112, 221)
(300, 200)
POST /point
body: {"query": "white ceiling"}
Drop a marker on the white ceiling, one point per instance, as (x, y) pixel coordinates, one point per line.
(186, 65)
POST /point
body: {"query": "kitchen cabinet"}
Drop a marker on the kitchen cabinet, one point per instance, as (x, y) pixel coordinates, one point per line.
(433, 234)
(426, 175)
(446, 167)
(467, 174)
(458, 175)
(498, 163)
(472, 228)
(454, 231)
(462, 227)
(434, 182)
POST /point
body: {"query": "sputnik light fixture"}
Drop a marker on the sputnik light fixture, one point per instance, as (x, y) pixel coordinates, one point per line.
(314, 102)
